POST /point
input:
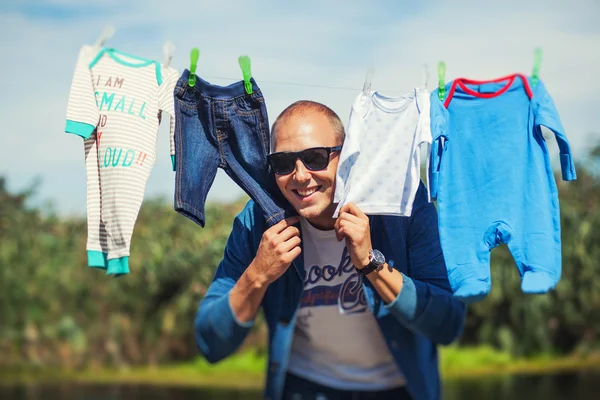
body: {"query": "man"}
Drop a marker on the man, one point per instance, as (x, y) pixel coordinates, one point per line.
(343, 322)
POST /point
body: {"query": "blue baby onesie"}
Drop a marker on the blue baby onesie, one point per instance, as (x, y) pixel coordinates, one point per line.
(492, 178)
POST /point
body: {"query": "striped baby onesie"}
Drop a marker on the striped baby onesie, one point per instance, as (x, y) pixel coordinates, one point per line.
(115, 104)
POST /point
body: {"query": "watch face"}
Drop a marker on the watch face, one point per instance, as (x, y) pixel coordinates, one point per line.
(378, 257)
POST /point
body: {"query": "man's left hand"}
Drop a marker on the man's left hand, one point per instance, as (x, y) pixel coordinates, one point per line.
(353, 226)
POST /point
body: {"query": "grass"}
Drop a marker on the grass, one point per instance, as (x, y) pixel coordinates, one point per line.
(246, 370)
(471, 362)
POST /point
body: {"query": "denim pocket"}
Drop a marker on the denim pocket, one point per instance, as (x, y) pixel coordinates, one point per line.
(187, 107)
(249, 105)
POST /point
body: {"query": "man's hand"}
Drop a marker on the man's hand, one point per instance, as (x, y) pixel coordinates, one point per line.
(353, 226)
(279, 246)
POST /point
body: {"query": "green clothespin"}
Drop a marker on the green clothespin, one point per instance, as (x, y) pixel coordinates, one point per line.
(537, 61)
(245, 66)
(193, 63)
(441, 84)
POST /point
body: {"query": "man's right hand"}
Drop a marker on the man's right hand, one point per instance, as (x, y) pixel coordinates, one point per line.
(279, 246)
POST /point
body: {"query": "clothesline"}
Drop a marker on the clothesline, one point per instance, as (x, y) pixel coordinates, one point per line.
(299, 84)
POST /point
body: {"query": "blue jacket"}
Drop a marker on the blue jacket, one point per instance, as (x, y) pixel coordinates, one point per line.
(423, 315)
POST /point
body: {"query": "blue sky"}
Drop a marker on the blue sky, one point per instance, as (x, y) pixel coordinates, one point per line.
(328, 43)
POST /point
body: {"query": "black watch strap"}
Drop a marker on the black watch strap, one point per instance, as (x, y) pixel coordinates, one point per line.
(368, 269)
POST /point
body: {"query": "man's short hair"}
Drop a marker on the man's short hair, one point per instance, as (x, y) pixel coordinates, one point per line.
(304, 107)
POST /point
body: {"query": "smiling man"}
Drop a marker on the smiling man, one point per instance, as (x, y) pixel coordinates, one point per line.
(356, 305)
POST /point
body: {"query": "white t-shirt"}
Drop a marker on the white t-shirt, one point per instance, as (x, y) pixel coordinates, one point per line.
(379, 167)
(337, 341)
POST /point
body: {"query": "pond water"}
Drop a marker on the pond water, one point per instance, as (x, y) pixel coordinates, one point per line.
(580, 386)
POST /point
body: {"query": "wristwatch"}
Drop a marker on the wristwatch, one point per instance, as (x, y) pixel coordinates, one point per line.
(376, 261)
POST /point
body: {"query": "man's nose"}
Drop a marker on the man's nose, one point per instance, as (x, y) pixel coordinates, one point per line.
(301, 173)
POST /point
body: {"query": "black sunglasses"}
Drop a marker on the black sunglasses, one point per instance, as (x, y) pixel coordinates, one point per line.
(314, 159)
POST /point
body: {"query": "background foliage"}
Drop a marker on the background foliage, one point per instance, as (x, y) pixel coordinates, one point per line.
(54, 311)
